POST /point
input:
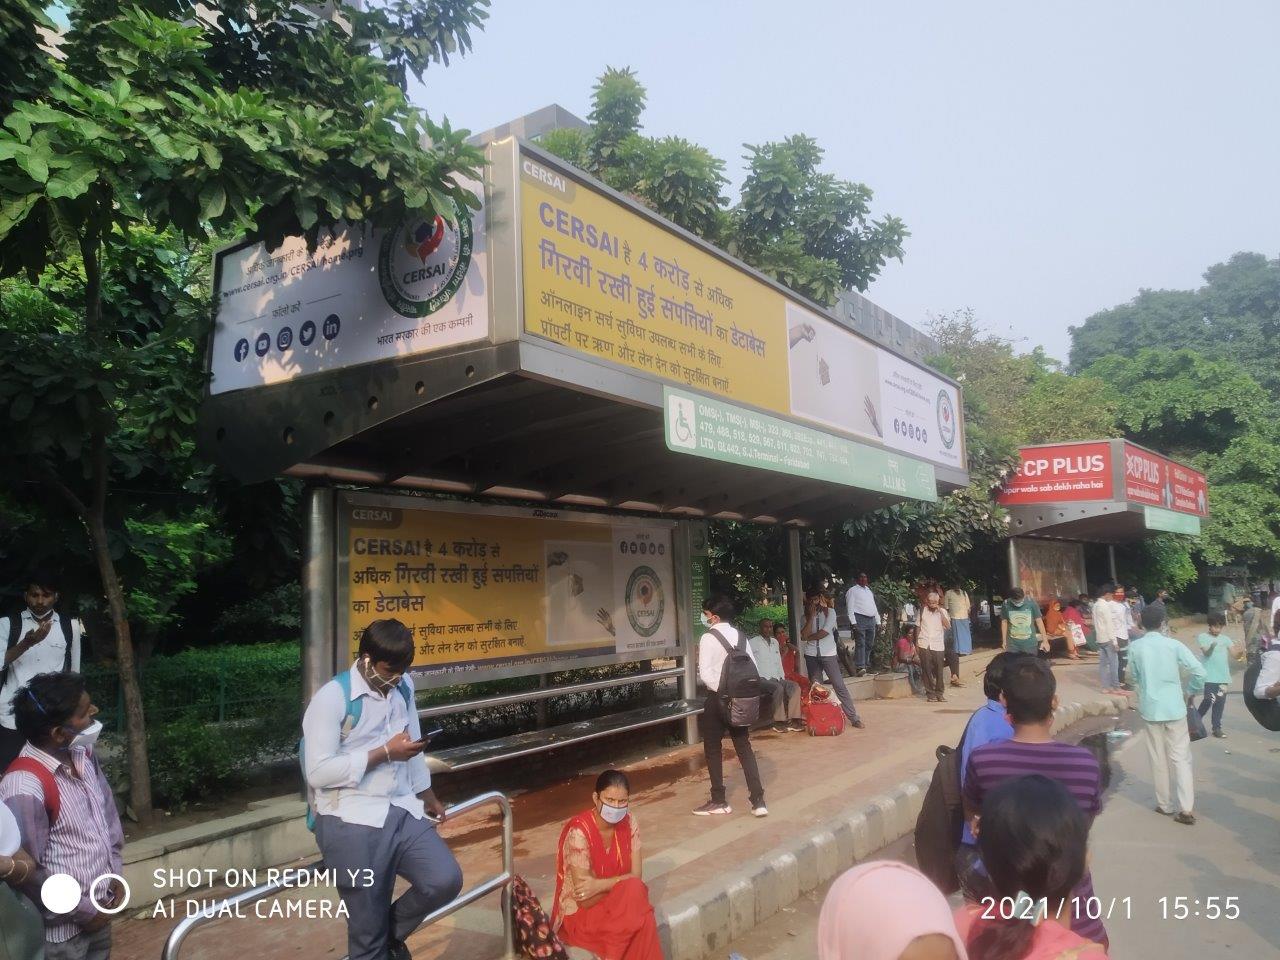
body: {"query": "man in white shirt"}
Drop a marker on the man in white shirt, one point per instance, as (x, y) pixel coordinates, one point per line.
(717, 612)
(38, 640)
(931, 643)
(784, 694)
(819, 637)
(864, 616)
(376, 813)
(1104, 632)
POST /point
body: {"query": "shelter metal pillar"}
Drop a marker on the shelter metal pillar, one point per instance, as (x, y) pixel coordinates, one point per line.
(1013, 563)
(685, 633)
(795, 589)
(319, 640)
(1111, 559)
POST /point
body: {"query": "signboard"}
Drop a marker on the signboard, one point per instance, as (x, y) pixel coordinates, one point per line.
(1060, 473)
(602, 280)
(362, 295)
(1170, 521)
(1050, 568)
(1153, 480)
(710, 428)
(503, 591)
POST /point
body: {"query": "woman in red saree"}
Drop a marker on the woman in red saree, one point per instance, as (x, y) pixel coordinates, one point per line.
(602, 905)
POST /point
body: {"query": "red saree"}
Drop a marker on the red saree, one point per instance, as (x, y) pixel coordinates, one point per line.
(620, 925)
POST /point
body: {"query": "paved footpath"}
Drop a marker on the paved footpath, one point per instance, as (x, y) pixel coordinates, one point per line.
(1140, 857)
(830, 800)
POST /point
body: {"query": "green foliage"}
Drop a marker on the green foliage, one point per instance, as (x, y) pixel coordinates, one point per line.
(269, 617)
(171, 551)
(24, 68)
(1235, 316)
(808, 230)
(1162, 562)
(158, 129)
(750, 617)
(215, 715)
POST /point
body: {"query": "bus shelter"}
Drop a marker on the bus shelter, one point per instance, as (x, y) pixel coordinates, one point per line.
(515, 422)
(1065, 496)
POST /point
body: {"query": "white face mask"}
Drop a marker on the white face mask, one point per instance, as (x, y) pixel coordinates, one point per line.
(611, 814)
(88, 736)
(705, 618)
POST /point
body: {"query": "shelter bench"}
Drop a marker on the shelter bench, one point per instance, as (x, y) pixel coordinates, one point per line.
(474, 755)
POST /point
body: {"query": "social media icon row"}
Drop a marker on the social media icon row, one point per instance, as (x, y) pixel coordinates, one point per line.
(330, 329)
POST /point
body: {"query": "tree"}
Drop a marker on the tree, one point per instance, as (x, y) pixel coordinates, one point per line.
(1235, 316)
(1212, 414)
(809, 230)
(266, 117)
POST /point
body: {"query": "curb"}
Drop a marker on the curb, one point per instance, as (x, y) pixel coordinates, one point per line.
(709, 917)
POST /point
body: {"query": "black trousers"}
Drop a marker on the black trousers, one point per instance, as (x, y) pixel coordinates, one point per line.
(713, 731)
(950, 654)
(10, 745)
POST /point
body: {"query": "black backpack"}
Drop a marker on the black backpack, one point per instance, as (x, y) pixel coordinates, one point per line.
(15, 634)
(740, 689)
(1266, 712)
(941, 820)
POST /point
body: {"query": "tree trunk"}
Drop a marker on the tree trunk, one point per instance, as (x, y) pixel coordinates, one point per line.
(135, 722)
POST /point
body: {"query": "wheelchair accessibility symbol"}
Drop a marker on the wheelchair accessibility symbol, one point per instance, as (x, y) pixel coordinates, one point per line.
(683, 423)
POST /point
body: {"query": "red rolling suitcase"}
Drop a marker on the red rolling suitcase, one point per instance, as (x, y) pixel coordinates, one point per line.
(823, 715)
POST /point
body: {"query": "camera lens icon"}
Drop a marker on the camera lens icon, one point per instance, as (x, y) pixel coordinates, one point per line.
(60, 893)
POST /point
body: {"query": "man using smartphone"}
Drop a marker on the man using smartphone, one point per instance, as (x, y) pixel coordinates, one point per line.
(37, 640)
(376, 813)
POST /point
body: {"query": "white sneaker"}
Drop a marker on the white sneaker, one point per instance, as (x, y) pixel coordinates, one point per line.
(760, 810)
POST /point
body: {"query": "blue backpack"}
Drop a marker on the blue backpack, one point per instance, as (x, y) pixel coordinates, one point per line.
(352, 717)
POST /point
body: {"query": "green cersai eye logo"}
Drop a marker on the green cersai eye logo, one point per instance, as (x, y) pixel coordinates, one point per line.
(645, 601)
(423, 261)
(946, 419)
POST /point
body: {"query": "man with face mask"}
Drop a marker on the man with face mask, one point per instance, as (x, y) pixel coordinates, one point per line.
(37, 640)
(376, 813)
(66, 814)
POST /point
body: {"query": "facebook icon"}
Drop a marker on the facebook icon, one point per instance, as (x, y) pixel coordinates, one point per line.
(242, 350)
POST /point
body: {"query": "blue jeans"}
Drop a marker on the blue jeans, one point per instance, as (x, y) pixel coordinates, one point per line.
(1108, 666)
(864, 635)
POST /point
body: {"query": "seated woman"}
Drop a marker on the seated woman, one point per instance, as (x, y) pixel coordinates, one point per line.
(885, 910)
(1056, 627)
(602, 905)
(1034, 841)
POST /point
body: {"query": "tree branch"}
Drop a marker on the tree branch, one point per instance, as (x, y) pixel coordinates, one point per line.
(51, 477)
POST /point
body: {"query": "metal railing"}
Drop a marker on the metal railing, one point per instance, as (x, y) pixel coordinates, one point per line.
(500, 883)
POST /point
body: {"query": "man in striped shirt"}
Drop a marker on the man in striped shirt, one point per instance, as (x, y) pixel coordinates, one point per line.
(65, 813)
(1030, 698)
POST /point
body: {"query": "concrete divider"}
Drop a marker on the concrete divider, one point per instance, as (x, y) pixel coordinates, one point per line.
(702, 921)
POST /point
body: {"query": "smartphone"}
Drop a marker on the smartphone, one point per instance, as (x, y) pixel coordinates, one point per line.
(431, 734)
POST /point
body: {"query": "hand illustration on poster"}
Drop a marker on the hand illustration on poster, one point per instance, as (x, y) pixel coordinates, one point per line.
(834, 375)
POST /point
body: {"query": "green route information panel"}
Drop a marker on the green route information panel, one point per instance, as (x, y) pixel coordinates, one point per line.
(704, 427)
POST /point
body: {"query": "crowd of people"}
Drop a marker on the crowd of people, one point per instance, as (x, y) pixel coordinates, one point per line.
(1020, 853)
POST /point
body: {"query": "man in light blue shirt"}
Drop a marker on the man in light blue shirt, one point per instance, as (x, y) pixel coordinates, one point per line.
(376, 813)
(1157, 664)
(988, 724)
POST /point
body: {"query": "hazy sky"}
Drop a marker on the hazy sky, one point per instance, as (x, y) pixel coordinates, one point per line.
(1050, 159)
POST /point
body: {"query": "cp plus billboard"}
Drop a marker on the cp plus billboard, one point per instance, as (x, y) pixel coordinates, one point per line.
(1157, 481)
(1057, 473)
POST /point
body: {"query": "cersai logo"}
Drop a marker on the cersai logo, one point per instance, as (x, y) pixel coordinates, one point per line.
(423, 261)
(946, 419)
(540, 173)
(645, 601)
(387, 518)
(682, 423)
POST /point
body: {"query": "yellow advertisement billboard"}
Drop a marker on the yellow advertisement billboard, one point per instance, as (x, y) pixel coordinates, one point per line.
(505, 591)
(603, 280)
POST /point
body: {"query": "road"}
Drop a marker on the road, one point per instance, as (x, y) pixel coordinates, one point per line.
(1140, 857)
